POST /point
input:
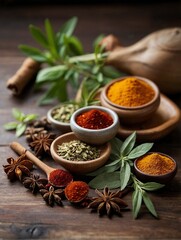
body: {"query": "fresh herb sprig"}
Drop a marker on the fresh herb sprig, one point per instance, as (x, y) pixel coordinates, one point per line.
(63, 52)
(118, 173)
(22, 121)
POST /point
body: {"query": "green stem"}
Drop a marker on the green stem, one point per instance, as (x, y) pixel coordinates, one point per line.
(88, 57)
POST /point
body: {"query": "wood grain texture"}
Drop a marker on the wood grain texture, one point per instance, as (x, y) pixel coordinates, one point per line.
(25, 216)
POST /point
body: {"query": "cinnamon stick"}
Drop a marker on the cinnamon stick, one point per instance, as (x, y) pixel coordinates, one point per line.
(22, 77)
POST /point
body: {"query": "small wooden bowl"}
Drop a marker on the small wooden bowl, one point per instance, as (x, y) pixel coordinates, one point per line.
(163, 179)
(132, 115)
(79, 167)
(160, 124)
(57, 125)
(95, 136)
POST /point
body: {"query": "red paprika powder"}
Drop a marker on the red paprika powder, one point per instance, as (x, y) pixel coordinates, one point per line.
(60, 178)
(76, 191)
(94, 119)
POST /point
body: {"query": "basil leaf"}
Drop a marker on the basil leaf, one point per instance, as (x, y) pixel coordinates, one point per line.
(68, 27)
(30, 117)
(75, 45)
(17, 114)
(136, 202)
(113, 163)
(21, 127)
(125, 175)
(39, 36)
(110, 72)
(140, 150)
(149, 204)
(10, 125)
(34, 53)
(111, 180)
(56, 90)
(128, 144)
(50, 73)
(51, 38)
(104, 169)
(116, 146)
(151, 186)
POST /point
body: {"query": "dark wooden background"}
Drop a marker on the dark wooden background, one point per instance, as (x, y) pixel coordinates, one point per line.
(24, 216)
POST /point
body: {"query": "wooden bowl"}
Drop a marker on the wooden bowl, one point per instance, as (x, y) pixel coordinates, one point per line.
(160, 124)
(79, 167)
(163, 179)
(95, 136)
(132, 115)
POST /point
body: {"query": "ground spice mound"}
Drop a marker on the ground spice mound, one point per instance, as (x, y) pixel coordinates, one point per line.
(94, 119)
(130, 92)
(155, 164)
(76, 191)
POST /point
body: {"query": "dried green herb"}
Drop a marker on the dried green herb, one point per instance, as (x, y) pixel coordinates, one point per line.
(64, 112)
(77, 151)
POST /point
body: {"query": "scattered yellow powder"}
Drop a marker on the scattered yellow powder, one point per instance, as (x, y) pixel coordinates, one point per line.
(155, 164)
(130, 92)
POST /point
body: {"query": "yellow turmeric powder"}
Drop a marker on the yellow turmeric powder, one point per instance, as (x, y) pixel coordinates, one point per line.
(155, 164)
(130, 92)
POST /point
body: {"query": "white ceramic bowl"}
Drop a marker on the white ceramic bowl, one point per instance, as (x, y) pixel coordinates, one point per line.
(61, 126)
(95, 136)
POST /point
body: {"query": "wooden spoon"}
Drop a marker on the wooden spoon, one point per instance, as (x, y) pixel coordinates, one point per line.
(56, 177)
(156, 57)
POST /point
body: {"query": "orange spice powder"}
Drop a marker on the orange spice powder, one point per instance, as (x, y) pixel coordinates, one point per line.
(155, 164)
(130, 92)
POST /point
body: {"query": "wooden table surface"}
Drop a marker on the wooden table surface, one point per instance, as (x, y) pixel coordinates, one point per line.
(25, 216)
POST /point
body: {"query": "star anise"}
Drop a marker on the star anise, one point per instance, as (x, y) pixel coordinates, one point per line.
(41, 143)
(34, 183)
(17, 167)
(30, 132)
(52, 196)
(107, 202)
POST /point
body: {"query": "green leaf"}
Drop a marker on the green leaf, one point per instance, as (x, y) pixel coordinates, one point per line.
(113, 163)
(10, 125)
(39, 36)
(111, 72)
(136, 202)
(98, 40)
(104, 169)
(68, 27)
(21, 127)
(34, 53)
(151, 186)
(125, 175)
(111, 180)
(116, 146)
(128, 144)
(56, 91)
(140, 150)
(75, 45)
(17, 114)
(149, 204)
(30, 117)
(51, 38)
(50, 74)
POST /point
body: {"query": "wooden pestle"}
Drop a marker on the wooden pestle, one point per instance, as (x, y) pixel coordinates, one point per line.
(156, 57)
(19, 149)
